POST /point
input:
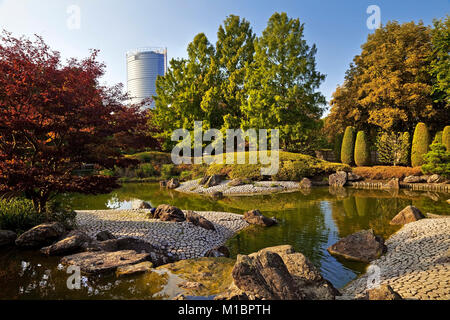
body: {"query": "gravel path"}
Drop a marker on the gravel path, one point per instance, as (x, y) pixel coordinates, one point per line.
(180, 238)
(262, 187)
(417, 264)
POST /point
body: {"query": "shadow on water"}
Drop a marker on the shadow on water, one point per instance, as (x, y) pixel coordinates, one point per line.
(309, 221)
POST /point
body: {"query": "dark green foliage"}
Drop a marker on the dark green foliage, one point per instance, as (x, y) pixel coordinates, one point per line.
(437, 161)
(405, 152)
(446, 137)
(421, 141)
(18, 215)
(438, 137)
(362, 150)
(348, 146)
(337, 145)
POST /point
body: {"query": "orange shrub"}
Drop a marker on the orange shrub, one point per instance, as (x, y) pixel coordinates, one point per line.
(386, 172)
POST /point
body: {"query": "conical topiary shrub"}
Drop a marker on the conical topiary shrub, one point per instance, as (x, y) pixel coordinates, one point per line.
(362, 150)
(348, 146)
(420, 144)
(446, 137)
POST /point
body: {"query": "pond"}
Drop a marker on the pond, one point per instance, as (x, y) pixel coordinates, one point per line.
(310, 221)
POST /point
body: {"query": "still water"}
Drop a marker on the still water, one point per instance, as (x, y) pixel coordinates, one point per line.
(309, 221)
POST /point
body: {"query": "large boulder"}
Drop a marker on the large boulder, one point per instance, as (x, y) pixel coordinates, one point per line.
(75, 241)
(134, 269)
(413, 179)
(7, 237)
(41, 235)
(277, 273)
(392, 184)
(173, 183)
(238, 182)
(163, 183)
(255, 217)
(213, 181)
(104, 262)
(362, 246)
(435, 178)
(407, 215)
(353, 177)
(221, 251)
(383, 292)
(139, 205)
(339, 179)
(305, 184)
(166, 212)
(105, 235)
(199, 221)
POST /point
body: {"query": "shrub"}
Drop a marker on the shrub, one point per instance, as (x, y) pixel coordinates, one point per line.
(438, 137)
(421, 141)
(337, 145)
(145, 170)
(186, 175)
(167, 171)
(437, 161)
(348, 146)
(405, 150)
(18, 215)
(386, 172)
(446, 137)
(362, 150)
(393, 148)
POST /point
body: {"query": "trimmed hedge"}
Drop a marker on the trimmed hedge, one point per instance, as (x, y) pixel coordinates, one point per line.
(348, 146)
(420, 144)
(446, 137)
(362, 150)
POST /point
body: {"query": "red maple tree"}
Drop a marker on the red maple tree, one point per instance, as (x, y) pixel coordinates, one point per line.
(55, 118)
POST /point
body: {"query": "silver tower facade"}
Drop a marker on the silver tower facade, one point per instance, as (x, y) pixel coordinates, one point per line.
(143, 67)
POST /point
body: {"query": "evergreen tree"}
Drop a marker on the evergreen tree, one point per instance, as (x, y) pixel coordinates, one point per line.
(348, 146)
(362, 150)
(420, 144)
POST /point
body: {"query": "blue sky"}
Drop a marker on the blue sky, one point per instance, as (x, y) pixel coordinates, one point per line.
(338, 28)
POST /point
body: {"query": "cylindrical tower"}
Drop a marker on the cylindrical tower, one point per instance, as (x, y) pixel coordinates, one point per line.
(143, 67)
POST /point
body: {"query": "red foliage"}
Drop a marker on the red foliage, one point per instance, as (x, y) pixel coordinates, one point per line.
(55, 118)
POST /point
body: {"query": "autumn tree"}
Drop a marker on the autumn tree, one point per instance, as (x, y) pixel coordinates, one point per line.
(388, 86)
(55, 118)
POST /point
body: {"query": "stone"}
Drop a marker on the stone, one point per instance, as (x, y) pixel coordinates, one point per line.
(173, 183)
(134, 269)
(239, 182)
(190, 285)
(363, 246)
(305, 184)
(167, 212)
(163, 184)
(105, 235)
(221, 251)
(104, 262)
(75, 241)
(199, 221)
(41, 235)
(392, 184)
(413, 179)
(204, 180)
(339, 179)
(435, 178)
(217, 195)
(255, 217)
(7, 238)
(139, 205)
(353, 177)
(384, 292)
(407, 215)
(213, 181)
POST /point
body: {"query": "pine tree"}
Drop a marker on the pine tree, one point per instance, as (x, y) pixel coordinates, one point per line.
(348, 146)
(362, 150)
(421, 141)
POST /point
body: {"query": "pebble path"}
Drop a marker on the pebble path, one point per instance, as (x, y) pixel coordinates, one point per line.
(182, 239)
(416, 265)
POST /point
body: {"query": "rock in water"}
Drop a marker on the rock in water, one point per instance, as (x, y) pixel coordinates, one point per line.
(75, 241)
(163, 183)
(255, 217)
(104, 262)
(339, 179)
(353, 177)
(104, 235)
(392, 184)
(173, 183)
(7, 237)
(139, 205)
(166, 212)
(134, 269)
(413, 179)
(363, 246)
(213, 181)
(221, 251)
(384, 292)
(407, 215)
(199, 221)
(306, 183)
(435, 178)
(41, 235)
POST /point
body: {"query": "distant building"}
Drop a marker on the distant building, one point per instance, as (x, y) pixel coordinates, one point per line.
(143, 67)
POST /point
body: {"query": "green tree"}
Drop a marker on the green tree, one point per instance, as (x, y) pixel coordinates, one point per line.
(393, 148)
(405, 152)
(348, 146)
(437, 161)
(337, 145)
(421, 141)
(362, 150)
(281, 84)
(446, 137)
